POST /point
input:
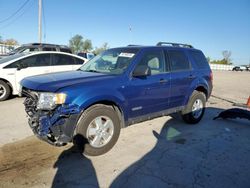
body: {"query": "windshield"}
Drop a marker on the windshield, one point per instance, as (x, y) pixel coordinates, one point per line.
(113, 61)
(17, 50)
(11, 57)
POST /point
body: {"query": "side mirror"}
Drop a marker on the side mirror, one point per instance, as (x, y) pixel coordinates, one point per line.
(21, 66)
(141, 70)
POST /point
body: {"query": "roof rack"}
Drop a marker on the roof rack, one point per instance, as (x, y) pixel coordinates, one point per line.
(174, 44)
(133, 45)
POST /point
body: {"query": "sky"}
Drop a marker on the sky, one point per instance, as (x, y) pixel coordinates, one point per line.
(209, 25)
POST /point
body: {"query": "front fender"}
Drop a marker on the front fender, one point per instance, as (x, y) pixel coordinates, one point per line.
(87, 97)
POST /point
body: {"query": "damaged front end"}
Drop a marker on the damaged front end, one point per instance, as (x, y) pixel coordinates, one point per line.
(53, 126)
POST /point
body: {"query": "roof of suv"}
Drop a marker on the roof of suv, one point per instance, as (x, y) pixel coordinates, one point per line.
(45, 44)
(163, 44)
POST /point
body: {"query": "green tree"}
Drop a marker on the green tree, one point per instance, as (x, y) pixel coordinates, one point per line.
(76, 43)
(11, 43)
(104, 47)
(208, 59)
(87, 45)
(226, 56)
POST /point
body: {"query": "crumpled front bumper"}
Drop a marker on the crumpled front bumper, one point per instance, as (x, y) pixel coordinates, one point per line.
(55, 127)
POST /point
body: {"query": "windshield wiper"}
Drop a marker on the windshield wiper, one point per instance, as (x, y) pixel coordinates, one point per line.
(89, 70)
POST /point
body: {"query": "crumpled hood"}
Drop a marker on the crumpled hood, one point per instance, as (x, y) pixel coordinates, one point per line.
(54, 81)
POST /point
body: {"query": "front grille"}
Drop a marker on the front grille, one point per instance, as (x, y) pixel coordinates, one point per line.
(30, 102)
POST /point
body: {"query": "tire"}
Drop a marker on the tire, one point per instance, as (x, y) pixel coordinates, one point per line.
(4, 90)
(198, 100)
(88, 130)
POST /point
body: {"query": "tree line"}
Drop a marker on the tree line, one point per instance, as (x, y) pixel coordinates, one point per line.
(226, 60)
(76, 43)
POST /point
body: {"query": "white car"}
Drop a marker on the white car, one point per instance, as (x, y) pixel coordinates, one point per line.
(16, 67)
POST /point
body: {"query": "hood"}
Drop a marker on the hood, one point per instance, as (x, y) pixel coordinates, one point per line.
(54, 81)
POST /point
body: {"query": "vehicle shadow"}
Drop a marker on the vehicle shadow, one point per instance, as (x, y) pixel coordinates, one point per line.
(74, 169)
(213, 153)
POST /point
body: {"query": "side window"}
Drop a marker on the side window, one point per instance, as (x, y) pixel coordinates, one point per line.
(79, 61)
(65, 50)
(13, 65)
(178, 60)
(49, 49)
(36, 61)
(30, 50)
(199, 59)
(60, 59)
(33, 61)
(154, 60)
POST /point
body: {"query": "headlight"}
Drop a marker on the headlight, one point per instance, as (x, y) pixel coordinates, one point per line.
(48, 101)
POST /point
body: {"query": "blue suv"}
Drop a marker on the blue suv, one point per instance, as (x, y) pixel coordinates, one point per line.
(119, 87)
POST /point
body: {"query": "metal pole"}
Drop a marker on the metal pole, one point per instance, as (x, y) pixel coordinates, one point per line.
(130, 34)
(40, 21)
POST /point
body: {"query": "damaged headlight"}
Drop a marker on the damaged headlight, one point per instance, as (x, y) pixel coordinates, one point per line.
(48, 101)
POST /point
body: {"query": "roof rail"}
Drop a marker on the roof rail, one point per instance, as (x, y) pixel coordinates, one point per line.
(133, 45)
(174, 44)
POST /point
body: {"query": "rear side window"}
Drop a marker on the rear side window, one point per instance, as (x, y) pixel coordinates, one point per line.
(178, 60)
(66, 50)
(49, 49)
(79, 61)
(60, 59)
(199, 59)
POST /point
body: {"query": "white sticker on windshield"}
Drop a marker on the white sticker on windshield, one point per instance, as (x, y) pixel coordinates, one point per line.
(130, 55)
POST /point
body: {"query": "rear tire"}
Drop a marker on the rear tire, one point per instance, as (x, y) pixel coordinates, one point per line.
(98, 130)
(195, 108)
(4, 90)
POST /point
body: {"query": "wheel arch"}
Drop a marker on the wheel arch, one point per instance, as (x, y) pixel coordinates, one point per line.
(116, 107)
(203, 90)
(9, 84)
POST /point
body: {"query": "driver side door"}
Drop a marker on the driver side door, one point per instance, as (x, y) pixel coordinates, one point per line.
(150, 93)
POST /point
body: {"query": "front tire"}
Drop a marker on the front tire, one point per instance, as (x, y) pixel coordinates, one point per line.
(100, 127)
(195, 108)
(4, 90)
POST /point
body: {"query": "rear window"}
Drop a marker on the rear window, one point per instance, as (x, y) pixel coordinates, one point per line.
(199, 59)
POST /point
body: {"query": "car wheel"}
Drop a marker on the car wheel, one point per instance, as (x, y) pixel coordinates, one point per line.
(4, 90)
(195, 108)
(97, 130)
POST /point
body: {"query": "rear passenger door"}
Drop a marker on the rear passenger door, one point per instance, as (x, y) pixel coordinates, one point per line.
(61, 62)
(181, 76)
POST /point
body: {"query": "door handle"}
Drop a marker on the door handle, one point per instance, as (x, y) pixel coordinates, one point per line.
(191, 76)
(162, 81)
